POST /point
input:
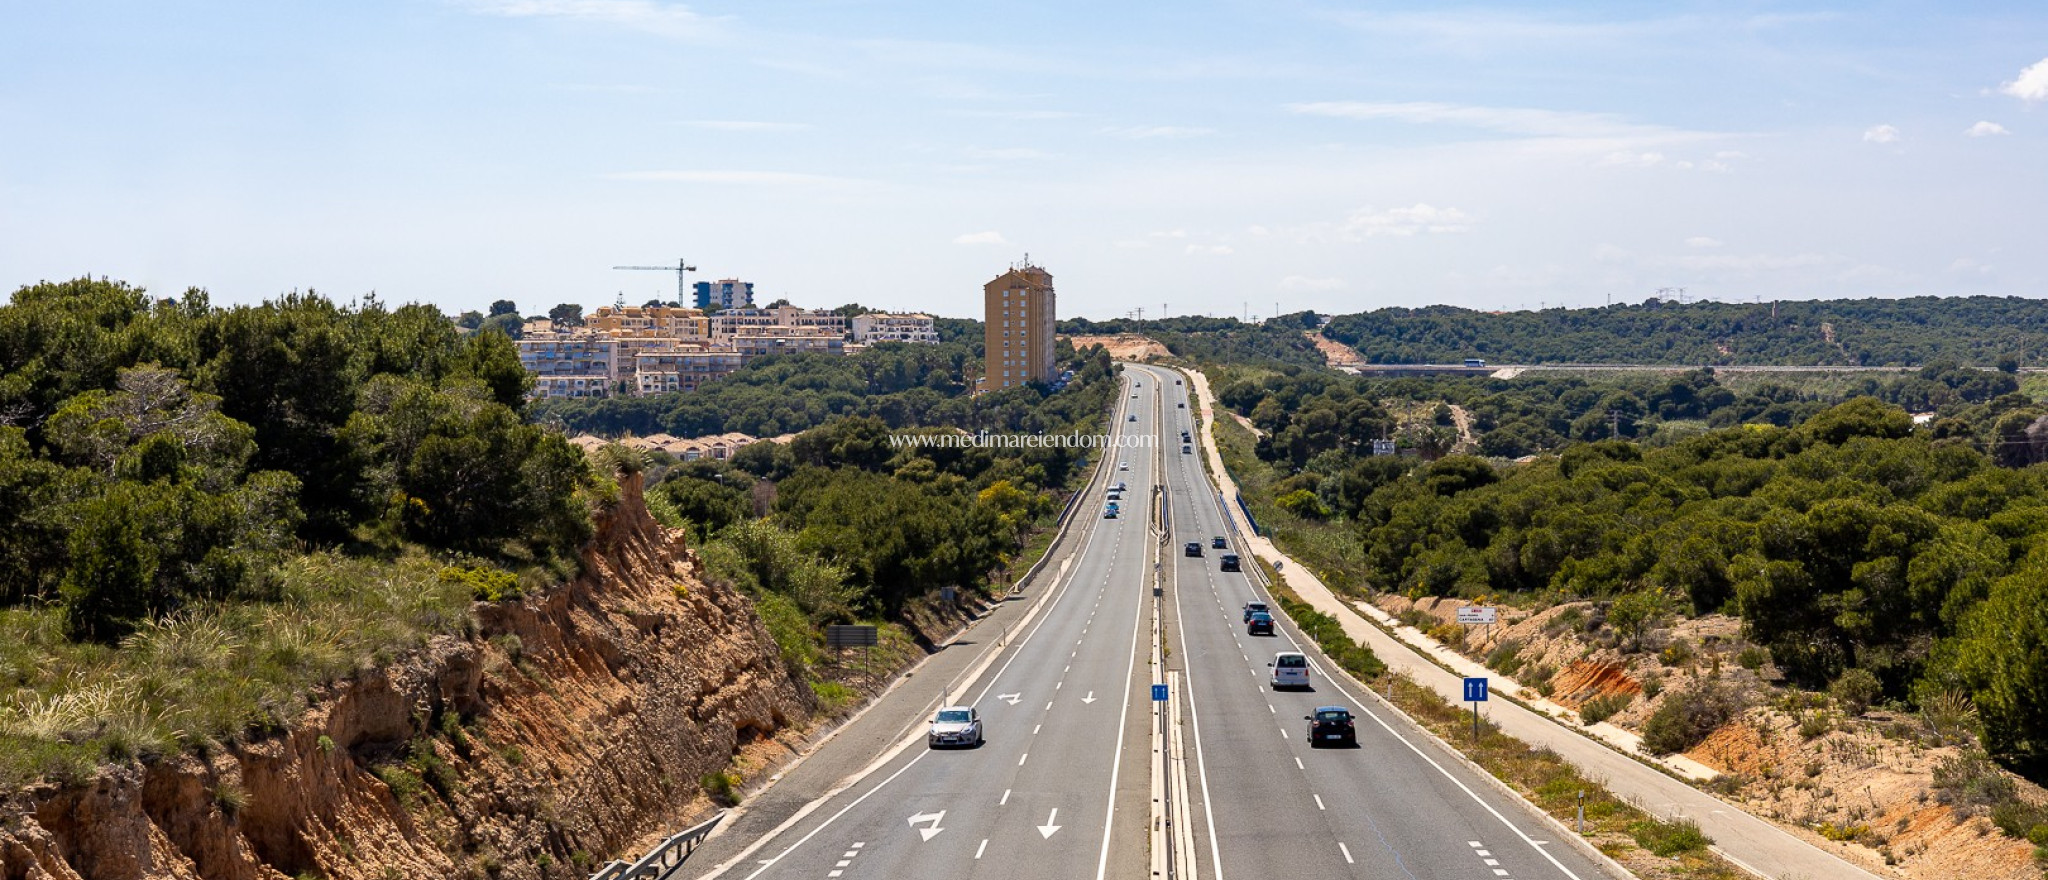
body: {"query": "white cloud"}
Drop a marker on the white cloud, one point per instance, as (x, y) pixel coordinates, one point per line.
(1967, 266)
(745, 125)
(1171, 233)
(1256, 229)
(1633, 159)
(1142, 132)
(1366, 223)
(1701, 241)
(2032, 84)
(1985, 129)
(989, 237)
(1018, 115)
(1881, 134)
(1215, 249)
(1303, 282)
(1010, 154)
(1514, 120)
(661, 18)
(767, 178)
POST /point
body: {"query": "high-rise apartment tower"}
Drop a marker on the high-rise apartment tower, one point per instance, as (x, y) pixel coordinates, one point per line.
(1018, 332)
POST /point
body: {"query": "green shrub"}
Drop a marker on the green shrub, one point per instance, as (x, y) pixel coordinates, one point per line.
(1653, 684)
(721, 787)
(1506, 658)
(1970, 782)
(1668, 839)
(1855, 690)
(1753, 657)
(1816, 723)
(1603, 707)
(1687, 717)
(1678, 653)
(2021, 819)
(833, 697)
(485, 584)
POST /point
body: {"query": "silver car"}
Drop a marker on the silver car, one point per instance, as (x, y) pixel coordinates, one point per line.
(955, 726)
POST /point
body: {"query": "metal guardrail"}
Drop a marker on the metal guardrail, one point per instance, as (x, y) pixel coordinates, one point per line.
(665, 858)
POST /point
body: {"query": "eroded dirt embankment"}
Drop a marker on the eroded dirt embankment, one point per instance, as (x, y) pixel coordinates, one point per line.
(570, 727)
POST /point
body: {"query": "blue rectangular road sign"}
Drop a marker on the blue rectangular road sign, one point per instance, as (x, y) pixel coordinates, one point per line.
(1475, 690)
(1159, 693)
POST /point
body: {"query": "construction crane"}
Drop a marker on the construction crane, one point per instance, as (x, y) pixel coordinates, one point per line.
(682, 269)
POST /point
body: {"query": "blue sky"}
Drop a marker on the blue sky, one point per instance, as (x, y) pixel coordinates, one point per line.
(1217, 157)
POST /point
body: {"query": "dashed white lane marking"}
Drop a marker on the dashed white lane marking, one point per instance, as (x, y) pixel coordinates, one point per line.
(1319, 802)
(843, 863)
(1022, 758)
(850, 854)
(1269, 708)
(859, 843)
(1298, 765)
(978, 849)
(1006, 799)
(1484, 853)
(1347, 853)
(1056, 685)
(1034, 729)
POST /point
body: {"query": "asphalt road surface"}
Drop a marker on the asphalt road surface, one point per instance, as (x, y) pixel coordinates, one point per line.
(1061, 787)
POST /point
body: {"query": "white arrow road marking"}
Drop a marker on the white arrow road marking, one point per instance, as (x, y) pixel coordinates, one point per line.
(1090, 698)
(1048, 828)
(933, 818)
(1010, 698)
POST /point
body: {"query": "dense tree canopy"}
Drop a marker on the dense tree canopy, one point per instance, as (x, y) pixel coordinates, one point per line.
(162, 451)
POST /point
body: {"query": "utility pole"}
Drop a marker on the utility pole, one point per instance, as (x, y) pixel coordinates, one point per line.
(1614, 424)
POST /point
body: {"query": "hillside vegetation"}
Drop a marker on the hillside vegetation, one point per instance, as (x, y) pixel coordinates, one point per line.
(209, 510)
(1981, 331)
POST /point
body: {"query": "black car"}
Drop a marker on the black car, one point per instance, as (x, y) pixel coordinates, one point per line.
(1261, 624)
(1331, 725)
(1230, 562)
(1216, 543)
(1194, 548)
(1251, 608)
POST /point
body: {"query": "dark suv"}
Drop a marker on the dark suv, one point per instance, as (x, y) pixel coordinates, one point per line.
(1217, 543)
(1230, 562)
(1261, 624)
(1194, 548)
(1331, 724)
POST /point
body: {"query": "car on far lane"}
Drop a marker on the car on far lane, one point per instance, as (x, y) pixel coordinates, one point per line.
(1194, 548)
(1331, 725)
(1109, 512)
(1251, 608)
(1260, 624)
(1122, 466)
(1134, 417)
(955, 726)
(1230, 562)
(1217, 543)
(1290, 670)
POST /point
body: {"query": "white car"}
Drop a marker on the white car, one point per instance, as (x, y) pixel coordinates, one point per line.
(1290, 670)
(955, 726)
(1123, 465)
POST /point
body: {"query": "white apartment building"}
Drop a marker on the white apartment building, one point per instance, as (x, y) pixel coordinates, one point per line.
(888, 327)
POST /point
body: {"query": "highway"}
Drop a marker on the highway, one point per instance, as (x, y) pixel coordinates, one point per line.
(1060, 789)
(1062, 786)
(1395, 807)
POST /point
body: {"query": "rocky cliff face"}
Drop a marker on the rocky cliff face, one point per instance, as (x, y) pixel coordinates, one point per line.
(572, 725)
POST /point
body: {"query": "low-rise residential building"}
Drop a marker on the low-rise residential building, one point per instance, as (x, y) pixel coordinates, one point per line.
(563, 365)
(888, 327)
(651, 321)
(663, 371)
(732, 322)
(756, 342)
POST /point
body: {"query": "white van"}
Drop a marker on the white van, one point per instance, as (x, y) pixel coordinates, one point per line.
(1290, 670)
